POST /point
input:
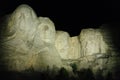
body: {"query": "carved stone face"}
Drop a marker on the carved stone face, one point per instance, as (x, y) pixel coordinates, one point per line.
(29, 39)
(32, 41)
(62, 44)
(47, 30)
(92, 42)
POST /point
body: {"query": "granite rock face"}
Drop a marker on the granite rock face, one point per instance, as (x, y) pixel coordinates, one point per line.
(68, 47)
(62, 44)
(75, 48)
(28, 41)
(92, 42)
(46, 30)
(93, 49)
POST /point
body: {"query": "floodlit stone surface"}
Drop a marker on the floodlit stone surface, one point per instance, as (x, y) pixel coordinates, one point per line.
(62, 44)
(92, 42)
(29, 41)
(48, 57)
(75, 48)
(46, 30)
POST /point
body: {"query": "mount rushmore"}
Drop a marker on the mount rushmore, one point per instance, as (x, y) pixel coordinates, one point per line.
(30, 41)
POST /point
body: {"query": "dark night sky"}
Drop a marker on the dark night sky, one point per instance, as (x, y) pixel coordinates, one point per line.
(69, 15)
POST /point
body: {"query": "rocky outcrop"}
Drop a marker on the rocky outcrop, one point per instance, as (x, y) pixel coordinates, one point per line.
(29, 41)
(94, 50)
(92, 42)
(62, 44)
(46, 30)
(68, 47)
(75, 48)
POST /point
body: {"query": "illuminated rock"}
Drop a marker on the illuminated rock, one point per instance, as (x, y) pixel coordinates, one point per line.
(94, 50)
(68, 47)
(92, 42)
(28, 41)
(62, 44)
(47, 57)
(45, 33)
(75, 48)
(46, 30)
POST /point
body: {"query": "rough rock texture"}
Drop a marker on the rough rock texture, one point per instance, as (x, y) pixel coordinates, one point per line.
(75, 48)
(92, 42)
(28, 41)
(62, 44)
(68, 47)
(46, 30)
(94, 50)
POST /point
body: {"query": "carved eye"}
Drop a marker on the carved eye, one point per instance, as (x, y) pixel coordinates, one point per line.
(46, 27)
